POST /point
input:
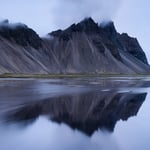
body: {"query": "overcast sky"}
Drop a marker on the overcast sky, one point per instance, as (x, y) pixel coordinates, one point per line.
(131, 16)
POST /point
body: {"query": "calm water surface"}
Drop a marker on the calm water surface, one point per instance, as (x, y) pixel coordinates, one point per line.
(75, 114)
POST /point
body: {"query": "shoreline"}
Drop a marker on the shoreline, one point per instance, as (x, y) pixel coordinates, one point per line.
(13, 75)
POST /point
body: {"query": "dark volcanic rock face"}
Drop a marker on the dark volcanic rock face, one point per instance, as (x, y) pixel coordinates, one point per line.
(125, 42)
(87, 26)
(106, 34)
(132, 46)
(21, 34)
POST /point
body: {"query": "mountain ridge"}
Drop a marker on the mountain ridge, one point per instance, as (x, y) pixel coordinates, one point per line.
(85, 47)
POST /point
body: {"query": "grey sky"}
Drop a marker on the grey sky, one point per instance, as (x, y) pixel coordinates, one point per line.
(131, 16)
(47, 15)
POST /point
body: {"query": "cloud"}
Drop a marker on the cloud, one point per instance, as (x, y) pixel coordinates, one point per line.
(66, 12)
(6, 23)
(47, 15)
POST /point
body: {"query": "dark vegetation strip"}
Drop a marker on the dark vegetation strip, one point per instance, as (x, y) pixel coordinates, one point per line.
(9, 75)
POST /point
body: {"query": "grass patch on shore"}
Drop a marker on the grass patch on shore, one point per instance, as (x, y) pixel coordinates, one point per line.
(13, 75)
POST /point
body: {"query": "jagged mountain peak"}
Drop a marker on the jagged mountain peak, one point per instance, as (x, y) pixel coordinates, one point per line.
(109, 27)
(6, 21)
(5, 24)
(87, 25)
(20, 33)
(88, 20)
(108, 24)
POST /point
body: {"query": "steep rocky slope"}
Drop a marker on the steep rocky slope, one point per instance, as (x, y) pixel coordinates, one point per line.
(85, 47)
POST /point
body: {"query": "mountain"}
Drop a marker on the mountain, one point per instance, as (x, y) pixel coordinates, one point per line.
(85, 47)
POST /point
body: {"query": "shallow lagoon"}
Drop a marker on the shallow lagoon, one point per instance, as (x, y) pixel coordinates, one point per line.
(70, 114)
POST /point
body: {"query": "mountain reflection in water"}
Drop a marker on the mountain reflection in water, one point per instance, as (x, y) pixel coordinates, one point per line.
(86, 112)
(86, 106)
